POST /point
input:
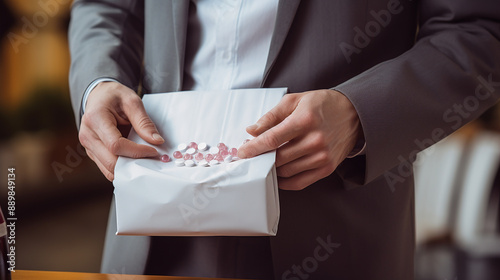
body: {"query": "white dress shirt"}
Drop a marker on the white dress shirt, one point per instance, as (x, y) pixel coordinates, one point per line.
(228, 43)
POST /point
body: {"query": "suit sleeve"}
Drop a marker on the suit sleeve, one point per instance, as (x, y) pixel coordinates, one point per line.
(106, 41)
(449, 77)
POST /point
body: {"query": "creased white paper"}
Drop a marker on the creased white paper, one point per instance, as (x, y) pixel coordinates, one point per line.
(232, 199)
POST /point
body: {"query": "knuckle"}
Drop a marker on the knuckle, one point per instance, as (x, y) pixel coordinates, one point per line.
(92, 119)
(319, 141)
(88, 119)
(289, 98)
(323, 158)
(269, 117)
(309, 119)
(84, 139)
(114, 146)
(131, 100)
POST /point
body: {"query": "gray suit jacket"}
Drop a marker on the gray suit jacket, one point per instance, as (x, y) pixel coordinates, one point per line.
(415, 72)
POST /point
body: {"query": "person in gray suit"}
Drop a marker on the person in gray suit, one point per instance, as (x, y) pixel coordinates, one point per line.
(371, 82)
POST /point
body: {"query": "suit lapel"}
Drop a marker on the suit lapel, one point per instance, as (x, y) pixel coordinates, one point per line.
(284, 19)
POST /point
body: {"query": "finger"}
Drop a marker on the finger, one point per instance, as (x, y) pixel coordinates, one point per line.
(275, 116)
(271, 139)
(134, 109)
(300, 146)
(97, 151)
(108, 174)
(304, 179)
(116, 144)
(308, 162)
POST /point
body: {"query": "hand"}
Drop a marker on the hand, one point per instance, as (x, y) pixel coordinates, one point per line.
(109, 105)
(313, 133)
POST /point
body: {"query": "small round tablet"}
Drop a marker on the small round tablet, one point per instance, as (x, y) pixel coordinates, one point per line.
(191, 151)
(199, 156)
(221, 145)
(182, 147)
(189, 163)
(177, 155)
(179, 162)
(214, 162)
(219, 157)
(223, 153)
(209, 157)
(193, 145)
(203, 163)
(214, 150)
(202, 146)
(188, 157)
(165, 158)
(229, 158)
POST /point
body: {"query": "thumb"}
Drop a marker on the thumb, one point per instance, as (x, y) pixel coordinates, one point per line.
(275, 116)
(142, 124)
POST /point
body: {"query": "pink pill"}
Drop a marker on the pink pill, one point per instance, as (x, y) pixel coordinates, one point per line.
(199, 156)
(193, 145)
(233, 152)
(188, 157)
(165, 158)
(221, 146)
(177, 155)
(223, 153)
(209, 157)
(219, 158)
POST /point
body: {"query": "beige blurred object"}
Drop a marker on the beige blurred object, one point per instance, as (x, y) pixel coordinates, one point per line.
(30, 155)
(30, 7)
(35, 51)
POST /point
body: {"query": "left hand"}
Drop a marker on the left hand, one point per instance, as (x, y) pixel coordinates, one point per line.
(313, 133)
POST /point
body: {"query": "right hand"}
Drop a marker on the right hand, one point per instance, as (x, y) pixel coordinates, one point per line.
(110, 105)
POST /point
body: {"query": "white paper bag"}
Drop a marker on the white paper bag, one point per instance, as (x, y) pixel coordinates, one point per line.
(232, 199)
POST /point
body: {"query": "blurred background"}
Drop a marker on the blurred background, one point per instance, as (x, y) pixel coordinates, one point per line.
(62, 200)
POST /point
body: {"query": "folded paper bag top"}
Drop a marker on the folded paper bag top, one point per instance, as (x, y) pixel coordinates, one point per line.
(239, 198)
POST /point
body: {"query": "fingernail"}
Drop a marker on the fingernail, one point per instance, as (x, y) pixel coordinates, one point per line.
(242, 154)
(158, 137)
(252, 127)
